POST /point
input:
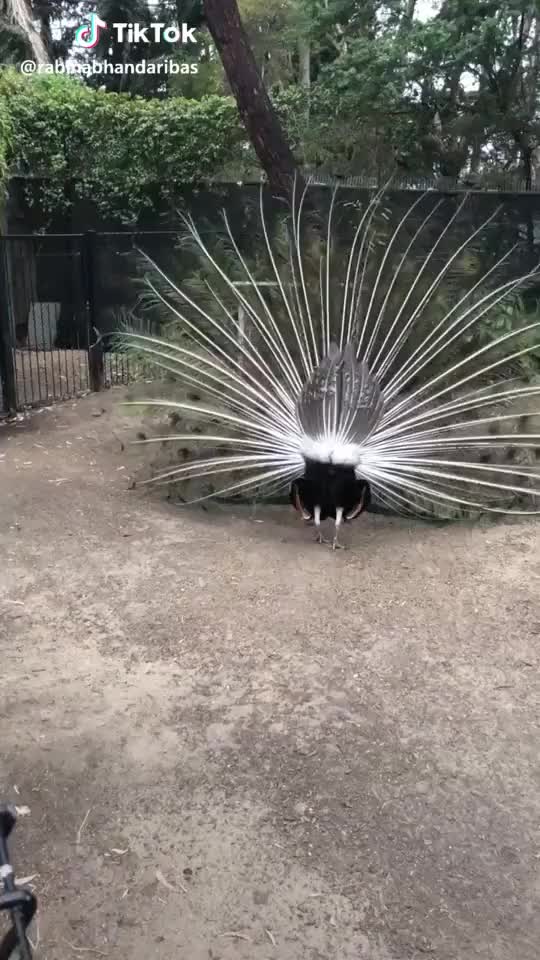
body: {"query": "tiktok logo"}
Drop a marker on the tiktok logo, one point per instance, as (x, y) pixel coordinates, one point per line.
(87, 36)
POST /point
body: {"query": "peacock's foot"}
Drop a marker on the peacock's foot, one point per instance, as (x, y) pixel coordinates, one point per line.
(336, 545)
(319, 538)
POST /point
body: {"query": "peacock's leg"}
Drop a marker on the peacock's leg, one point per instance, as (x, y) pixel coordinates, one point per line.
(317, 521)
(336, 545)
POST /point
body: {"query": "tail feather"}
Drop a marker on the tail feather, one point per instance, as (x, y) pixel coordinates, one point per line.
(388, 361)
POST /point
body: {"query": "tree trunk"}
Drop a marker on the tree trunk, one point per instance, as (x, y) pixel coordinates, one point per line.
(407, 16)
(476, 156)
(256, 110)
(45, 28)
(20, 13)
(527, 156)
(526, 151)
(304, 57)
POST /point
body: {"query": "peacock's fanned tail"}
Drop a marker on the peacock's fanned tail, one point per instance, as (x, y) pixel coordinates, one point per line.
(365, 351)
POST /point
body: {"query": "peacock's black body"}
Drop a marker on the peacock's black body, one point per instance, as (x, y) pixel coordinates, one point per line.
(358, 380)
(329, 492)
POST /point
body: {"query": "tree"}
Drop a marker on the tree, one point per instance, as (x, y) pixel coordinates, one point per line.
(456, 95)
(19, 36)
(254, 104)
(358, 85)
(477, 66)
(26, 28)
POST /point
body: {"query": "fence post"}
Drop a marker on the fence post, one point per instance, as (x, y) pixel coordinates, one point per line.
(95, 345)
(8, 374)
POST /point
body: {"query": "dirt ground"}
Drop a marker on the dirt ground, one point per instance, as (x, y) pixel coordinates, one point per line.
(237, 745)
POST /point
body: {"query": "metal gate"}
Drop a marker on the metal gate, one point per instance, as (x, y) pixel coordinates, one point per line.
(58, 294)
(45, 319)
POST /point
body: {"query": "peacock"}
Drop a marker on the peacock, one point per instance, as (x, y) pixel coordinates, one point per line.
(367, 354)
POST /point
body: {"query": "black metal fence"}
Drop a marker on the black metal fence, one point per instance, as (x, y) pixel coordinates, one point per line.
(44, 332)
(59, 293)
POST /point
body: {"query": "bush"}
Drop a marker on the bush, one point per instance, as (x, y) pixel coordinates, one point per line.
(5, 143)
(125, 154)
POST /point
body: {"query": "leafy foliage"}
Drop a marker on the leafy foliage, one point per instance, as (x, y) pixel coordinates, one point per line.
(457, 93)
(127, 155)
(363, 86)
(6, 134)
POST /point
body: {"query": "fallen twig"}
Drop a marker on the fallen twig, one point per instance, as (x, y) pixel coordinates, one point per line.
(23, 881)
(82, 826)
(72, 946)
(161, 879)
(236, 936)
(38, 938)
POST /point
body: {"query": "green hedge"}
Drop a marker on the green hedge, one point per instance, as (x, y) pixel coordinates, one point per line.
(6, 136)
(126, 154)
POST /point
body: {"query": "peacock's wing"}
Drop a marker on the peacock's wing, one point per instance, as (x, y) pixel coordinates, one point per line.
(362, 398)
(339, 406)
